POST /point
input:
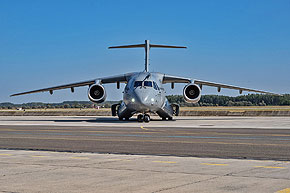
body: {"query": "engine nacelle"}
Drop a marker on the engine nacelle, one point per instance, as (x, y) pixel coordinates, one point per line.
(191, 93)
(97, 93)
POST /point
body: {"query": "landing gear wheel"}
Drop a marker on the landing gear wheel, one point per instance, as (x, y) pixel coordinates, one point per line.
(120, 118)
(163, 118)
(127, 119)
(146, 118)
(140, 118)
(170, 118)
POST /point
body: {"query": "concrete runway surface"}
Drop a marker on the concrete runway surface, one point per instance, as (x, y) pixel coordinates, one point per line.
(198, 154)
(222, 137)
(41, 171)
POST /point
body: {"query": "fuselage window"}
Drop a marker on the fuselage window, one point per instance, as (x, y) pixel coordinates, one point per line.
(137, 83)
(148, 83)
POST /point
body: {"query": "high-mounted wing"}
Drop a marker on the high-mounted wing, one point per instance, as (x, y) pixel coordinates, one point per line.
(175, 79)
(111, 79)
(219, 86)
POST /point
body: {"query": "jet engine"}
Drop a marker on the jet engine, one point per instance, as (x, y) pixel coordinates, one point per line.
(191, 93)
(97, 93)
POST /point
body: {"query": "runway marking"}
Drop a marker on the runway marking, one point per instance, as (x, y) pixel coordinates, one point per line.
(152, 141)
(144, 128)
(39, 156)
(269, 167)
(79, 157)
(224, 143)
(118, 160)
(79, 131)
(286, 190)
(114, 159)
(214, 164)
(154, 136)
(165, 162)
(5, 154)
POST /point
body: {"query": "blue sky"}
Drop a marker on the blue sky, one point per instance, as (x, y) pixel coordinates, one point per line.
(51, 42)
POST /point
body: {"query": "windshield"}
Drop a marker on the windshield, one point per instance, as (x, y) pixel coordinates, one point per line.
(148, 83)
(137, 83)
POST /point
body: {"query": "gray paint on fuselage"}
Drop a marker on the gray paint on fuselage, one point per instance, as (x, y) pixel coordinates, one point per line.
(145, 99)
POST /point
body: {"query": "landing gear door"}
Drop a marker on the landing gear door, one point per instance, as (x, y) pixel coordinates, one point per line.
(175, 108)
(114, 108)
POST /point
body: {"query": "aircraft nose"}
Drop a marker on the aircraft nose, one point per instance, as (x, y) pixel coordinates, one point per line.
(143, 97)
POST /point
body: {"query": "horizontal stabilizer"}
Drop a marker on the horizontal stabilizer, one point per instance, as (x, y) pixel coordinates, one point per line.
(147, 47)
(129, 46)
(165, 46)
(144, 46)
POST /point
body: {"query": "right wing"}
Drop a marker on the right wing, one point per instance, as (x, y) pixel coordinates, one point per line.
(219, 86)
(111, 79)
(175, 79)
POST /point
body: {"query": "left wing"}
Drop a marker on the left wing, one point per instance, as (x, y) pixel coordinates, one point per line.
(219, 86)
(104, 80)
(176, 79)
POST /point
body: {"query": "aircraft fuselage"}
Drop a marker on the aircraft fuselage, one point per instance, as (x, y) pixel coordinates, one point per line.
(144, 93)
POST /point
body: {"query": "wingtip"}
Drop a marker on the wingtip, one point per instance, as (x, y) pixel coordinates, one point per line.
(12, 95)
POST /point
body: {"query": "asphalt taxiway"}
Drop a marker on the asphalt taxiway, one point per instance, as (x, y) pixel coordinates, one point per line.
(221, 137)
(189, 154)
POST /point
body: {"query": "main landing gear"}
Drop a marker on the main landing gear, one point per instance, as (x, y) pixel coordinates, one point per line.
(145, 118)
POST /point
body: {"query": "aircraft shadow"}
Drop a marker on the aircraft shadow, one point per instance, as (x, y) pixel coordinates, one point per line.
(216, 119)
(107, 120)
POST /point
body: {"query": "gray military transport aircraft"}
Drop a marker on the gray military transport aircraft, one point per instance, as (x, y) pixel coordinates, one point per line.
(144, 92)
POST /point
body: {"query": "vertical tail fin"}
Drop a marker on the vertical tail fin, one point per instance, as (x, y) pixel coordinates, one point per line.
(147, 47)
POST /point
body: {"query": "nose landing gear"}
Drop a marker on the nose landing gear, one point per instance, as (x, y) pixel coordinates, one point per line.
(145, 118)
(140, 118)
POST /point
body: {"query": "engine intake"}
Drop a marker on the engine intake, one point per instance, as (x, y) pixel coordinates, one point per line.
(97, 93)
(191, 93)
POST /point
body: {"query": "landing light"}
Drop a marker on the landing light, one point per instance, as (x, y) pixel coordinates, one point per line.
(133, 100)
(152, 99)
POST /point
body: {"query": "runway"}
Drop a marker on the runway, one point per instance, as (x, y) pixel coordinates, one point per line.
(214, 137)
(89, 154)
(46, 171)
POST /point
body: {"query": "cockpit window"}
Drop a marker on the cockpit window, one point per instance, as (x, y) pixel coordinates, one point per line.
(155, 86)
(137, 83)
(148, 83)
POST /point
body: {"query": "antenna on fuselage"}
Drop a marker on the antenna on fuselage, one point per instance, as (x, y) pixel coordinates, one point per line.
(147, 47)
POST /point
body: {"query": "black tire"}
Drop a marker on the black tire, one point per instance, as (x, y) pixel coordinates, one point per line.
(140, 118)
(120, 118)
(163, 118)
(146, 118)
(127, 119)
(170, 118)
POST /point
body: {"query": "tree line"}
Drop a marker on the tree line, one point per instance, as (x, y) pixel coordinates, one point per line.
(206, 100)
(242, 100)
(63, 105)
